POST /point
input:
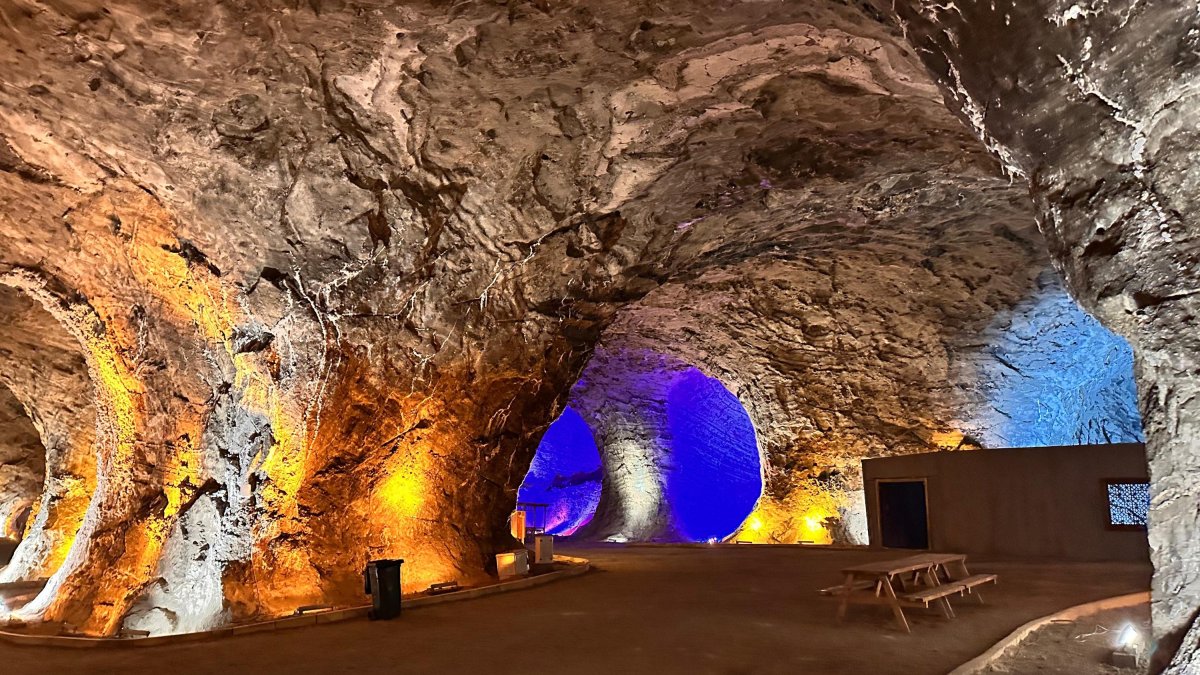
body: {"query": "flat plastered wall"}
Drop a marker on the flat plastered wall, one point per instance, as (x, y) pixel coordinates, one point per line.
(1022, 502)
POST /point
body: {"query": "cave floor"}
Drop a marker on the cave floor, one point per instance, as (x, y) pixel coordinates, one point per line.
(644, 609)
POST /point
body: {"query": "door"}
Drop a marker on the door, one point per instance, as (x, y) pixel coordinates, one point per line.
(903, 515)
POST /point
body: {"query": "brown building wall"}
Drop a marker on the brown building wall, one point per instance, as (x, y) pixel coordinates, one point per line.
(1023, 502)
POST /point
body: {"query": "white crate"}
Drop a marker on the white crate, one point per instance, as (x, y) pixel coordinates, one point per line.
(512, 564)
(543, 549)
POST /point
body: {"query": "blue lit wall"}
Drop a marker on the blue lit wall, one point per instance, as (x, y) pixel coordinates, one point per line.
(1055, 376)
(565, 474)
(715, 475)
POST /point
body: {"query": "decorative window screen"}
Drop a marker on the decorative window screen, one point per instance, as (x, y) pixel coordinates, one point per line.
(1128, 503)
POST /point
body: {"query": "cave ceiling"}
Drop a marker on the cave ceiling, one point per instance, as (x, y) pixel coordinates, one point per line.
(316, 276)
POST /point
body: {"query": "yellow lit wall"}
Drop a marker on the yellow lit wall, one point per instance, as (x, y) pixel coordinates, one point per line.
(801, 517)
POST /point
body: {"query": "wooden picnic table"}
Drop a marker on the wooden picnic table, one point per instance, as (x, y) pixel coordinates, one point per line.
(947, 566)
(913, 581)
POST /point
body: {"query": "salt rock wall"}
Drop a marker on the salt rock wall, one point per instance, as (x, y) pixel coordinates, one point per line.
(1095, 105)
(680, 460)
(332, 267)
(565, 476)
(624, 402)
(51, 402)
(976, 345)
(1046, 373)
(22, 466)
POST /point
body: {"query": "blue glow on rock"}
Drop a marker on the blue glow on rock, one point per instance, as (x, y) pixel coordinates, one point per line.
(565, 474)
(715, 476)
(1058, 377)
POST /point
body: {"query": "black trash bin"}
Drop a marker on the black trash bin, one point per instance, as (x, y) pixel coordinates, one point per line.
(381, 580)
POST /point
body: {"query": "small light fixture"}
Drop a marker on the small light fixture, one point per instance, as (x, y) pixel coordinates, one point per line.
(1128, 651)
(1129, 637)
(312, 609)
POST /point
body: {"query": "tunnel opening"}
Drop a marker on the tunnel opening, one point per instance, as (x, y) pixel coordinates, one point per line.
(566, 476)
(22, 471)
(714, 477)
(48, 428)
(679, 454)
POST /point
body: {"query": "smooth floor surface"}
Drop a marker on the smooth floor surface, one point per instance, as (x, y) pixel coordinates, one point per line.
(644, 609)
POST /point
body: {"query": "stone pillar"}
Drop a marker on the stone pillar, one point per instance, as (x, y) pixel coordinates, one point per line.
(623, 397)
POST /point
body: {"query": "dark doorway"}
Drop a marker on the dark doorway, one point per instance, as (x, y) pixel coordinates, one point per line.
(903, 519)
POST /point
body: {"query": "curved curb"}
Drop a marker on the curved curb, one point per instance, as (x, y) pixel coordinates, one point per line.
(1015, 638)
(577, 567)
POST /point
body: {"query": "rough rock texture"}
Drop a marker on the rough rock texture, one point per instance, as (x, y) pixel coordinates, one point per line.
(335, 266)
(1046, 373)
(1095, 103)
(679, 455)
(22, 466)
(565, 475)
(332, 267)
(956, 352)
(42, 371)
(623, 398)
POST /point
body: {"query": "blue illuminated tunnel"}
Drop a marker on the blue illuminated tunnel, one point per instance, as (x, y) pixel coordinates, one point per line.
(715, 477)
(565, 474)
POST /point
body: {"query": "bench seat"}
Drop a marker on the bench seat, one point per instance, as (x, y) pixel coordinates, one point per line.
(928, 595)
(977, 580)
(840, 589)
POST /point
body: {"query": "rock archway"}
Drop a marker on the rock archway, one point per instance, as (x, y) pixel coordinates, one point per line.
(681, 460)
(50, 395)
(22, 469)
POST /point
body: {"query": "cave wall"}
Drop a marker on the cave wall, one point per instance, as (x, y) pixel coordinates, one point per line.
(1095, 105)
(1046, 373)
(716, 474)
(623, 398)
(22, 466)
(832, 371)
(50, 393)
(565, 475)
(333, 268)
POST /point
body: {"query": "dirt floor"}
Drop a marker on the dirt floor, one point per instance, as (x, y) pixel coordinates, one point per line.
(1077, 647)
(645, 609)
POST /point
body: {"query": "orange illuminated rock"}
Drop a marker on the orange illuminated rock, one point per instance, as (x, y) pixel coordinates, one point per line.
(318, 277)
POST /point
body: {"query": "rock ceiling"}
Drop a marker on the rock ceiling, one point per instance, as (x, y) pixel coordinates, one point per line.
(311, 279)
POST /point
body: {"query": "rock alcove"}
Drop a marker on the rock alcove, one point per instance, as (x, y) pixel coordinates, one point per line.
(679, 455)
(329, 270)
(565, 477)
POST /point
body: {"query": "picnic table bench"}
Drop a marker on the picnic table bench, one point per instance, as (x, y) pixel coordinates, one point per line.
(914, 581)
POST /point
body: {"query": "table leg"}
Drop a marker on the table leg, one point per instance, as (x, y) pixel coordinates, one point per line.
(942, 574)
(895, 603)
(841, 614)
(931, 578)
(961, 569)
